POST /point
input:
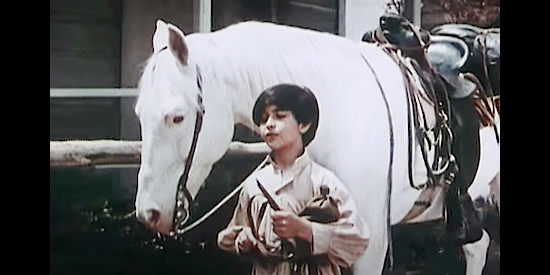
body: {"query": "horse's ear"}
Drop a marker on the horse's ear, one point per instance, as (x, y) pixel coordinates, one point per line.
(169, 36)
(160, 38)
(177, 44)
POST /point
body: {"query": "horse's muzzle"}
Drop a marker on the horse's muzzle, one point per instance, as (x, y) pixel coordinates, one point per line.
(150, 218)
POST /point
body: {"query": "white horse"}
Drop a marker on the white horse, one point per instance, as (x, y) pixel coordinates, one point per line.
(487, 186)
(235, 65)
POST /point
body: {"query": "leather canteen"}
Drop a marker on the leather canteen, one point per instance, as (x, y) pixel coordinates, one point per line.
(321, 209)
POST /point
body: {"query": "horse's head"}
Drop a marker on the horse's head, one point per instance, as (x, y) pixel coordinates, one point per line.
(172, 92)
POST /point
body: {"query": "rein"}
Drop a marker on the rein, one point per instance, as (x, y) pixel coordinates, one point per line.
(390, 166)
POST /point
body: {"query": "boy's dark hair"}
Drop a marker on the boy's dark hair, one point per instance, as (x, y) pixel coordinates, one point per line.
(287, 97)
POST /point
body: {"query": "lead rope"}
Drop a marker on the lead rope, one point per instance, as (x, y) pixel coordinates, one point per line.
(388, 218)
(209, 213)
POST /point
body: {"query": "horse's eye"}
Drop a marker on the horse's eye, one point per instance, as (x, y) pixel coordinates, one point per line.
(177, 119)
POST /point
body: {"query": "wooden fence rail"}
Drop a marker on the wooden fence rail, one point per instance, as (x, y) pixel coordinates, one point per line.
(82, 153)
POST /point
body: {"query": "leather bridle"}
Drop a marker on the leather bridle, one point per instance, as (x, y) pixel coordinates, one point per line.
(181, 214)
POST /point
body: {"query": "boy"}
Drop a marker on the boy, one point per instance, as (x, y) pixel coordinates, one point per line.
(282, 241)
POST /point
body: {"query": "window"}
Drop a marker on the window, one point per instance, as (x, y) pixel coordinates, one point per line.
(321, 15)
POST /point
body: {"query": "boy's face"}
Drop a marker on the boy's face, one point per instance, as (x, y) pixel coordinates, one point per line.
(280, 130)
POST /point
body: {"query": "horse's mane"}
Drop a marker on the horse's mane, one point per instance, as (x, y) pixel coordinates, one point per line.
(253, 41)
(270, 35)
(259, 52)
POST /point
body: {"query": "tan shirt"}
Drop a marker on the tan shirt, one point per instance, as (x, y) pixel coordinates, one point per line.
(342, 241)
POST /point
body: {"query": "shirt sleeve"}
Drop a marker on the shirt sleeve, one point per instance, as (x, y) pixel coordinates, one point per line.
(226, 237)
(345, 240)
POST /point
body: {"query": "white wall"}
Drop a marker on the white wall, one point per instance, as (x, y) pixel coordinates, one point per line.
(359, 16)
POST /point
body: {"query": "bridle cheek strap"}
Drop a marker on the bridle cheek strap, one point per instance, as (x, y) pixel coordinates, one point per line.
(182, 191)
(182, 185)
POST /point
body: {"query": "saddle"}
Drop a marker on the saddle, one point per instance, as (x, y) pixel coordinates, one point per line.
(406, 44)
(464, 32)
(465, 56)
(484, 57)
(482, 66)
(437, 61)
(448, 55)
(390, 31)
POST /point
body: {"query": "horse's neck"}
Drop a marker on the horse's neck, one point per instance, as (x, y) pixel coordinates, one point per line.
(242, 93)
(250, 57)
(246, 63)
(226, 80)
(241, 81)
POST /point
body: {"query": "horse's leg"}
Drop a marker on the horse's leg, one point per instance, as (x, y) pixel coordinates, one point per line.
(372, 261)
(476, 254)
(373, 207)
(495, 190)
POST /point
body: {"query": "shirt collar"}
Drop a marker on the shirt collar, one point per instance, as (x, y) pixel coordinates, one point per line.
(301, 161)
(269, 173)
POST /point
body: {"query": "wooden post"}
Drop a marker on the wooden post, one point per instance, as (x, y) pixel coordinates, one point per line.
(202, 15)
(358, 16)
(417, 12)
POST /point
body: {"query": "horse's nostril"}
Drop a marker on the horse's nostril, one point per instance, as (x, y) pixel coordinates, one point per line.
(149, 217)
(153, 216)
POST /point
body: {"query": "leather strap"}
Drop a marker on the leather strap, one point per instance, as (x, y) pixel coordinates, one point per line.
(390, 165)
(182, 183)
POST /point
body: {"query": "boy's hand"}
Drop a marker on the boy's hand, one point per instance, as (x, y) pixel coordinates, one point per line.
(288, 225)
(226, 237)
(245, 240)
